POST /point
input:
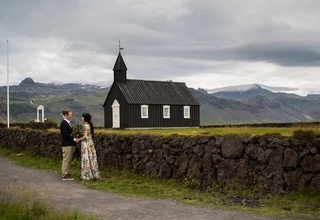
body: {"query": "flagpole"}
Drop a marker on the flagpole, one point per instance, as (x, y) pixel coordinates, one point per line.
(8, 114)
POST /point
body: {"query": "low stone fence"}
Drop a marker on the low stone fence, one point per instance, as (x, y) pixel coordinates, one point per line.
(275, 164)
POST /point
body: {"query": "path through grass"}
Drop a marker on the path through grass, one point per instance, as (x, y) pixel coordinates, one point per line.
(302, 204)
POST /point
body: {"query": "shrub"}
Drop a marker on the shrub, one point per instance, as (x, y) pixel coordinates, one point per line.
(303, 134)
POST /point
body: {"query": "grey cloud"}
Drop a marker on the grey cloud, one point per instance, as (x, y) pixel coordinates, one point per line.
(78, 47)
(162, 39)
(282, 54)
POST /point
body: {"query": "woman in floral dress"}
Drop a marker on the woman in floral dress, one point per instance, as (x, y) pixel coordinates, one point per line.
(89, 163)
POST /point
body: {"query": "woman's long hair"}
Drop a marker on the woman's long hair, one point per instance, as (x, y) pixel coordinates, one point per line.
(87, 118)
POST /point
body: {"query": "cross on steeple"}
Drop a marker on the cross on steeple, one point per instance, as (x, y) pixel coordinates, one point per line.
(120, 69)
(120, 48)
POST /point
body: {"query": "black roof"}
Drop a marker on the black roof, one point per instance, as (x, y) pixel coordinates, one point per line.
(156, 92)
(119, 64)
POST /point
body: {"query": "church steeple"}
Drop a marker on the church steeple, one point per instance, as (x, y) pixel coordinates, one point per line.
(120, 70)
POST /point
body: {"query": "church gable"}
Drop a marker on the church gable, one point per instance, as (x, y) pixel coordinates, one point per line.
(147, 104)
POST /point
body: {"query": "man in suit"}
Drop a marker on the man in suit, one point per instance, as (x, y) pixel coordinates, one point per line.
(68, 144)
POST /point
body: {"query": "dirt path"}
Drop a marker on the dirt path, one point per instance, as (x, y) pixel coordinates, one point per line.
(105, 205)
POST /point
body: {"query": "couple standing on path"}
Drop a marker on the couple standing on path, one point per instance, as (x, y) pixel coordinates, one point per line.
(89, 163)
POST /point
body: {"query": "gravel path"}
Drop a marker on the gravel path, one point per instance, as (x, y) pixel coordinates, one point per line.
(110, 206)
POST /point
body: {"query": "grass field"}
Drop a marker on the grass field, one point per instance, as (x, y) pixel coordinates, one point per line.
(18, 203)
(236, 130)
(304, 204)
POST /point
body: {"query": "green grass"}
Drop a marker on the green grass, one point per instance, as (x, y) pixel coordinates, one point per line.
(302, 204)
(18, 203)
(239, 131)
(37, 210)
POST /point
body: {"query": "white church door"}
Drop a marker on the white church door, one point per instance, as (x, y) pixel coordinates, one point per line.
(115, 114)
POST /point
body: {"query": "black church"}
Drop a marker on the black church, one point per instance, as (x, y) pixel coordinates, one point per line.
(138, 104)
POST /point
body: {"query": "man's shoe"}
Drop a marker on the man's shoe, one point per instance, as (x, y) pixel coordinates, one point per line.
(67, 177)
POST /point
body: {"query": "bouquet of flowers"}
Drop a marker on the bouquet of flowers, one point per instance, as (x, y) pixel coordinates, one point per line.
(77, 132)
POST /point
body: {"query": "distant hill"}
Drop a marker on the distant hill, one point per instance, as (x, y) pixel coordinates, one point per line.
(80, 98)
(253, 104)
(278, 106)
(242, 93)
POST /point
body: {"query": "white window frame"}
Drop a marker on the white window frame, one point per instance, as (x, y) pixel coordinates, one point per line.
(166, 111)
(186, 111)
(144, 111)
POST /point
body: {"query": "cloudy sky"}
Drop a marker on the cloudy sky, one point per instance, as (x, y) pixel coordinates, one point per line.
(204, 43)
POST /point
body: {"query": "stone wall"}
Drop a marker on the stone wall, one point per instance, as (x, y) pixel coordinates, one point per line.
(275, 164)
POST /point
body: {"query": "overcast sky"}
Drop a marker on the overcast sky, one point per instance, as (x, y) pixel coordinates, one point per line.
(204, 43)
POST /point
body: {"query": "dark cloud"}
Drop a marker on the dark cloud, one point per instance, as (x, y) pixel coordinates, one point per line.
(283, 54)
(222, 40)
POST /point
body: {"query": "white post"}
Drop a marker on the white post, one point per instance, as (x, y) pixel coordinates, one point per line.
(8, 114)
(38, 115)
(42, 114)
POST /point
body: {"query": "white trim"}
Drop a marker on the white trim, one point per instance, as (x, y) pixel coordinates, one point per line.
(144, 111)
(166, 111)
(186, 111)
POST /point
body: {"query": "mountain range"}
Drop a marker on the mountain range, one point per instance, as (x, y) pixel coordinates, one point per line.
(244, 104)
